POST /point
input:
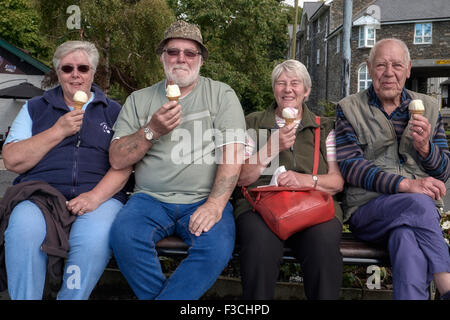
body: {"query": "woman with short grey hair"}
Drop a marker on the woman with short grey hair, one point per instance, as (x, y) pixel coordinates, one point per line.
(293, 67)
(63, 144)
(71, 46)
(292, 126)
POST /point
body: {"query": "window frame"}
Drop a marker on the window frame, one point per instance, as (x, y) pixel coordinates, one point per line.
(365, 39)
(423, 36)
(367, 80)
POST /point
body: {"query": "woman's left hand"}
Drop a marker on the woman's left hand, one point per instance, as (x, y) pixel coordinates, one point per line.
(294, 179)
(85, 202)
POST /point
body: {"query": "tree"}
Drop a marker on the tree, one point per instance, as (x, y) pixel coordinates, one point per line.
(245, 39)
(126, 34)
(19, 25)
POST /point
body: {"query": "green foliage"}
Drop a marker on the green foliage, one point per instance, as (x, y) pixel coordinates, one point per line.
(126, 34)
(327, 108)
(19, 25)
(245, 39)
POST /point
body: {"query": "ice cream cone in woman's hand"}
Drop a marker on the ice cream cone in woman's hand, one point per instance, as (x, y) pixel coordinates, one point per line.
(289, 114)
(79, 98)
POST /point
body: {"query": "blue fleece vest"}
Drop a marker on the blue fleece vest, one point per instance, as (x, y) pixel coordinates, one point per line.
(80, 161)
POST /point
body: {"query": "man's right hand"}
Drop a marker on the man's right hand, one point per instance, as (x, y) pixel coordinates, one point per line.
(430, 186)
(167, 118)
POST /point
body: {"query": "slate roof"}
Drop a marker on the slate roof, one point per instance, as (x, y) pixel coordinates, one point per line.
(411, 10)
(310, 8)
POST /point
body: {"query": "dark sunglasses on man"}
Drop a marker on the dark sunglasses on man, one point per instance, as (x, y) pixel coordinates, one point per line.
(187, 52)
(83, 68)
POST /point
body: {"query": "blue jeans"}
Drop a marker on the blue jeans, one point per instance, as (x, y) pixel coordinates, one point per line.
(409, 223)
(143, 221)
(26, 264)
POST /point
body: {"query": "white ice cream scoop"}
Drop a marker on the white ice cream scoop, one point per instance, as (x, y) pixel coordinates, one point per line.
(416, 107)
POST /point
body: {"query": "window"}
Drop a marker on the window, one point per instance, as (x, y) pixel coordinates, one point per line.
(364, 80)
(423, 33)
(318, 25)
(366, 36)
(307, 32)
(318, 57)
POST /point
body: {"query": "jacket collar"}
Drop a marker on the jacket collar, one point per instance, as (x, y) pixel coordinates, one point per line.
(268, 118)
(375, 101)
(55, 97)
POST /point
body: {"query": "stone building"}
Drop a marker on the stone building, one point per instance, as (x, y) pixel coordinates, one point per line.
(423, 25)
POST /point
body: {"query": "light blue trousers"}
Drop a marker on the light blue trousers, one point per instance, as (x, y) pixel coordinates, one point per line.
(89, 251)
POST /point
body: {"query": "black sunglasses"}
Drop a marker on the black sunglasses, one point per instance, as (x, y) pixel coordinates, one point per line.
(83, 68)
(187, 52)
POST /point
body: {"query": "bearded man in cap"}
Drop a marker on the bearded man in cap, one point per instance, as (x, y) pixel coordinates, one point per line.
(186, 158)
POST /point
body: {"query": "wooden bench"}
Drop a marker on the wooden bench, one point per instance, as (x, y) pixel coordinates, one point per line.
(354, 251)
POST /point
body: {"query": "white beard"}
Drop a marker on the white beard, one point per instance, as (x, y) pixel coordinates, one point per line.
(182, 79)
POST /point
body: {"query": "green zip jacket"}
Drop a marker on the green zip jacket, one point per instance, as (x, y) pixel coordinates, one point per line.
(300, 159)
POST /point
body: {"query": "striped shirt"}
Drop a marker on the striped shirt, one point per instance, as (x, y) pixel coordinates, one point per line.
(363, 173)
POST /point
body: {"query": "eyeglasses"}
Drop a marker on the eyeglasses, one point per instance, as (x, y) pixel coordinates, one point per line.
(188, 53)
(83, 68)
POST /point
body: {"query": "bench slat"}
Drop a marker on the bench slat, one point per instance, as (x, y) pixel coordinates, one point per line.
(353, 251)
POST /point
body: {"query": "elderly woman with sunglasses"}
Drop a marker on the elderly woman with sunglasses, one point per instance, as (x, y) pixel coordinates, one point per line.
(51, 141)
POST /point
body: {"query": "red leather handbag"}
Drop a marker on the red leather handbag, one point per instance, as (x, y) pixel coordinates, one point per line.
(289, 210)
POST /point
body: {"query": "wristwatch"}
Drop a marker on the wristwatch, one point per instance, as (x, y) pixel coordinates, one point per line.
(148, 134)
(315, 179)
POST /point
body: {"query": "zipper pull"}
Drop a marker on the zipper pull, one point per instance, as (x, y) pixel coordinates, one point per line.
(79, 141)
(293, 155)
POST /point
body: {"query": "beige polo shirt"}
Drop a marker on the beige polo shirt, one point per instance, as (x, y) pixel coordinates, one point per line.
(181, 166)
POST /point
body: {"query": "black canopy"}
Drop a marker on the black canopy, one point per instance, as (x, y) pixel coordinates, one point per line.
(24, 90)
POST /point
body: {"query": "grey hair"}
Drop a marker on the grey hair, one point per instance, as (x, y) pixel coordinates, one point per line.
(293, 67)
(71, 46)
(402, 44)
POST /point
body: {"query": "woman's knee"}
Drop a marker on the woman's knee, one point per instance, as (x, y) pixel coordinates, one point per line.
(26, 224)
(257, 243)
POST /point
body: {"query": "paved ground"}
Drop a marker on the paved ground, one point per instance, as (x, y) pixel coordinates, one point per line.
(6, 178)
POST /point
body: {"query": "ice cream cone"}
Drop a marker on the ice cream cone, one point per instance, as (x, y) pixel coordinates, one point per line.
(78, 105)
(289, 121)
(79, 99)
(173, 91)
(174, 98)
(416, 107)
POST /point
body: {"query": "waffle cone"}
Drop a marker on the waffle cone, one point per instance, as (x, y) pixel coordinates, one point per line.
(289, 121)
(78, 105)
(416, 111)
(173, 98)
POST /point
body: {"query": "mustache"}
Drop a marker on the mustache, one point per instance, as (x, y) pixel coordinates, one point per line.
(181, 67)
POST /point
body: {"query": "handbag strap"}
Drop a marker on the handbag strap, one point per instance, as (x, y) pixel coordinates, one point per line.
(315, 165)
(248, 197)
(316, 146)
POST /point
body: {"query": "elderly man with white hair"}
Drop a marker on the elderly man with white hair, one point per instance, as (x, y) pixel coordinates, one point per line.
(180, 188)
(395, 164)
